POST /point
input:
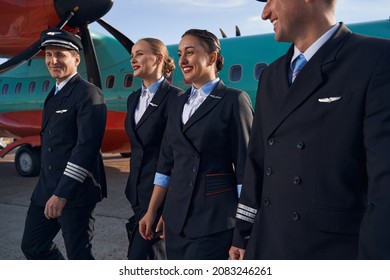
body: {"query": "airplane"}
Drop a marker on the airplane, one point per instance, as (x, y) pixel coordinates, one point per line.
(25, 81)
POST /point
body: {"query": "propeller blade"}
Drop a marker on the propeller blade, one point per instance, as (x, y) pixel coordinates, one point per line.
(20, 58)
(31, 50)
(223, 33)
(126, 42)
(93, 70)
(238, 32)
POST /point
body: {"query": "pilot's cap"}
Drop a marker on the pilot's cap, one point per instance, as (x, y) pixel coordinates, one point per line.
(61, 38)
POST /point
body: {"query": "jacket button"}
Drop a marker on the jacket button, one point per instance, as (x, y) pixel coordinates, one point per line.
(295, 216)
(268, 171)
(297, 180)
(49, 149)
(271, 141)
(266, 202)
(194, 169)
(300, 145)
(190, 183)
(49, 167)
(50, 131)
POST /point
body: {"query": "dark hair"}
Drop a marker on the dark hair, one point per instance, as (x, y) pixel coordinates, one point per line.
(210, 42)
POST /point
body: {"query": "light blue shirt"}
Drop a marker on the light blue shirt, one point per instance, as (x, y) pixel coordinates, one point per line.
(308, 54)
(154, 87)
(64, 82)
(164, 180)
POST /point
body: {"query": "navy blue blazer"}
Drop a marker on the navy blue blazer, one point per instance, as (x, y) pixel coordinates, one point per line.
(205, 159)
(145, 140)
(318, 169)
(73, 124)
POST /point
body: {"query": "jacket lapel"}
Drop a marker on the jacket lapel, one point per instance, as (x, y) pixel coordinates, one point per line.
(310, 78)
(133, 102)
(131, 106)
(52, 101)
(159, 96)
(210, 102)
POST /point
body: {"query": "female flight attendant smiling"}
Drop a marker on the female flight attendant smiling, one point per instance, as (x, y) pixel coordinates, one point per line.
(147, 113)
(202, 157)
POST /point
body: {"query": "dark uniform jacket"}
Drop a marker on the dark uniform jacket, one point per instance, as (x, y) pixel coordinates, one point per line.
(73, 123)
(318, 167)
(205, 159)
(145, 139)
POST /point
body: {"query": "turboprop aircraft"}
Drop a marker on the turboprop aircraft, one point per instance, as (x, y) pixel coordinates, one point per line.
(25, 81)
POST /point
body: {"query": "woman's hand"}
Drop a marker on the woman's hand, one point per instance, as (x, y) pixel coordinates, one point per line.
(145, 225)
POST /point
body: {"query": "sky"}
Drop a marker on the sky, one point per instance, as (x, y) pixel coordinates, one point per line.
(169, 19)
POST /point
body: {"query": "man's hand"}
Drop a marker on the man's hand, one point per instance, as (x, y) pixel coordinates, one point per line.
(236, 253)
(54, 206)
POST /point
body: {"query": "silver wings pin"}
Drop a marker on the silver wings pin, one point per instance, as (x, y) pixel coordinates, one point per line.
(329, 99)
(62, 111)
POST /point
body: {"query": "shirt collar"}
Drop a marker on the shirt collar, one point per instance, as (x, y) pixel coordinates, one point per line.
(207, 88)
(317, 44)
(64, 82)
(154, 87)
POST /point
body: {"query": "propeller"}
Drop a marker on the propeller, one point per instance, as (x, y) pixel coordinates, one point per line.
(223, 33)
(31, 50)
(77, 14)
(93, 69)
(238, 32)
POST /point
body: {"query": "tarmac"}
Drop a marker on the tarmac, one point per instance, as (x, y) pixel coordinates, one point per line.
(110, 241)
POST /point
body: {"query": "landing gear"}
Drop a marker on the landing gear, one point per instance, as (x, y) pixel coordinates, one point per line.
(28, 161)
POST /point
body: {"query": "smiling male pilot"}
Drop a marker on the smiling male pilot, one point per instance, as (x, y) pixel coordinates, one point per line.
(72, 178)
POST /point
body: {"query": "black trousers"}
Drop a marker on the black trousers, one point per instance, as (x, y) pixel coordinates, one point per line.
(139, 248)
(210, 247)
(77, 225)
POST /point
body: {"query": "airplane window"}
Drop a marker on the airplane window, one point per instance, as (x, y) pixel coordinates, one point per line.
(128, 80)
(45, 86)
(31, 87)
(110, 80)
(18, 88)
(5, 89)
(259, 68)
(235, 73)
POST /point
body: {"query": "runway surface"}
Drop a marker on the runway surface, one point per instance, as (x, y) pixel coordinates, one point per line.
(110, 241)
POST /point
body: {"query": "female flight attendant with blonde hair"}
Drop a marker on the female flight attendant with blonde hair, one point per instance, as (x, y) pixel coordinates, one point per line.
(147, 113)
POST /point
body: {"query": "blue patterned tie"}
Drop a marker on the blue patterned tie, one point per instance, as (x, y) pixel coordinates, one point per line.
(297, 65)
(56, 90)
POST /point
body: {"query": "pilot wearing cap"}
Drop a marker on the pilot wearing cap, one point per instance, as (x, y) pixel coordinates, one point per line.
(61, 38)
(72, 178)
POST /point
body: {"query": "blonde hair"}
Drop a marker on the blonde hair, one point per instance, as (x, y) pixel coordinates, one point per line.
(159, 48)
